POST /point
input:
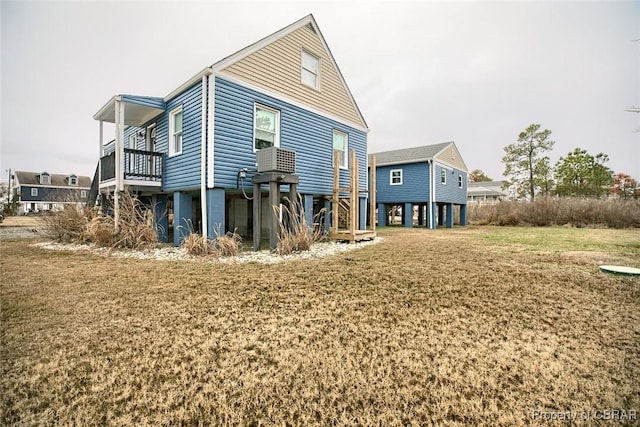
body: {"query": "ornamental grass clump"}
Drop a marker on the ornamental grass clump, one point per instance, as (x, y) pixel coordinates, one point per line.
(294, 233)
(227, 244)
(77, 224)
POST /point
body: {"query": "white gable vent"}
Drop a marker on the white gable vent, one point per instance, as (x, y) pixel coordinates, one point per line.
(276, 159)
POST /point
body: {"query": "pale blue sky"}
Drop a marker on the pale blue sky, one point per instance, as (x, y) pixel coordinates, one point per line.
(422, 72)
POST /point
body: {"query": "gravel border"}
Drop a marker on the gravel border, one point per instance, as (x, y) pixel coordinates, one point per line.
(169, 253)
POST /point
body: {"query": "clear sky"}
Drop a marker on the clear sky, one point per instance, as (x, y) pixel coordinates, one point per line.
(421, 72)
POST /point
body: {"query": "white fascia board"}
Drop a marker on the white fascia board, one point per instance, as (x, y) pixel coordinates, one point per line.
(186, 85)
(254, 47)
(402, 162)
(307, 20)
(466, 170)
(288, 100)
(102, 111)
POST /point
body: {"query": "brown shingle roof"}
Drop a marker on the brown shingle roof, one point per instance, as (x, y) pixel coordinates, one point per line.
(57, 180)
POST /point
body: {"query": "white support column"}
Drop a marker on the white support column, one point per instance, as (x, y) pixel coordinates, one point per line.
(119, 152)
(100, 154)
(203, 159)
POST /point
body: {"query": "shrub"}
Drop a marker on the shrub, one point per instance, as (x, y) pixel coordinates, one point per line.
(545, 211)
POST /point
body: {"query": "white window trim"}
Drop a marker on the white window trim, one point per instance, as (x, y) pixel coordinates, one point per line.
(73, 180)
(34, 192)
(459, 181)
(133, 140)
(48, 180)
(276, 142)
(345, 161)
(303, 69)
(391, 177)
(83, 194)
(443, 174)
(172, 114)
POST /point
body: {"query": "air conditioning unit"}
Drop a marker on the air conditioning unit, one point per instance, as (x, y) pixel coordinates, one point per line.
(275, 159)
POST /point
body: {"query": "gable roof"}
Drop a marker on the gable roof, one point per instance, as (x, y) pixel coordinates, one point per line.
(57, 180)
(409, 155)
(229, 61)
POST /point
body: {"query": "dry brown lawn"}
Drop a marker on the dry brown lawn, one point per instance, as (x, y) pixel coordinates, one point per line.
(478, 326)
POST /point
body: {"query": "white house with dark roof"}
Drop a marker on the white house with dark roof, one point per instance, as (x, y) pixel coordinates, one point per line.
(486, 192)
(431, 179)
(44, 191)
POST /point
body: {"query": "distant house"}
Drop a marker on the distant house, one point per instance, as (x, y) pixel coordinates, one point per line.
(194, 153)
(44, 191)
(486, 192)
(428, 183)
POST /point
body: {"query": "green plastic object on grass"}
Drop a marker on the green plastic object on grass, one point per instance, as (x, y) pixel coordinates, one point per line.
(619, 269)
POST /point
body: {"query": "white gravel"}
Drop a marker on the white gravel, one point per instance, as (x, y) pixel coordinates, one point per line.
(169, 253)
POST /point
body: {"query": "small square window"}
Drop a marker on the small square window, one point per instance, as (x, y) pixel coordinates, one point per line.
(310, 70)
(45, 179)
(34, 192)
(395, 177)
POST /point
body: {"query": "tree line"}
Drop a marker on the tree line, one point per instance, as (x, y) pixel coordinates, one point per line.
(579, 173)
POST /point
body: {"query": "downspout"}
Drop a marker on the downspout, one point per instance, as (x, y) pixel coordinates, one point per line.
(432, 194)
(203, 158)
(100, 154)
(119, 112)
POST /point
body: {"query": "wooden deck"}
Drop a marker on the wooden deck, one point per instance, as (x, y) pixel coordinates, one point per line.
(358, 236)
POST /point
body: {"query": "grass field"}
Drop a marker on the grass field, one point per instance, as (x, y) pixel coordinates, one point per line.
(479, 326)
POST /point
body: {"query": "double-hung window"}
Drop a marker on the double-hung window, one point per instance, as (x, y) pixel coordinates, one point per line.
(132, 141)
(395, 177)
(341, 146)
(443, 176)
(34, 192)
(266, 127)
(310, 70)
(73, 180)
(459, 181)
(175, 131)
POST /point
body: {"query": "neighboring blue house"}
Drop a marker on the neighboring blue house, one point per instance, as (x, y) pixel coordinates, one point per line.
(427, 182)
(44, 191)
(192, 154)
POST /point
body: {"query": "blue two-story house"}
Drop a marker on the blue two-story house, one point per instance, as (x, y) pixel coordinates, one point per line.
(192, 153)
(426, 184)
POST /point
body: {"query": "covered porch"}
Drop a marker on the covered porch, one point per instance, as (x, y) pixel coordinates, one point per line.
(120, 167)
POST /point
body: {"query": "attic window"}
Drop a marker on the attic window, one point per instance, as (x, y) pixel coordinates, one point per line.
(310, 70)
(45, 178)
(73, 180)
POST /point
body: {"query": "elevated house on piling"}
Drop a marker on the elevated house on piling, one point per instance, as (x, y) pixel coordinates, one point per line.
(427, 185)
(194, 153)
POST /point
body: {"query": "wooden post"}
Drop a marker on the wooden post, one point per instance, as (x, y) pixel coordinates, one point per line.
(354, 208)
(274, 202)
(257, 217)
(336, 193)
(372, 192)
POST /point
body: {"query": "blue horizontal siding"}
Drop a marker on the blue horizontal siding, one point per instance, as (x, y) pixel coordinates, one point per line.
(182, 171)
(414, 187)
(308, 134)
(46, 194)
(451, 192)
(147, 101)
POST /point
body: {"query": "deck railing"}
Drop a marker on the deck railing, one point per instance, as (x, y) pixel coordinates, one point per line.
(138, 165)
